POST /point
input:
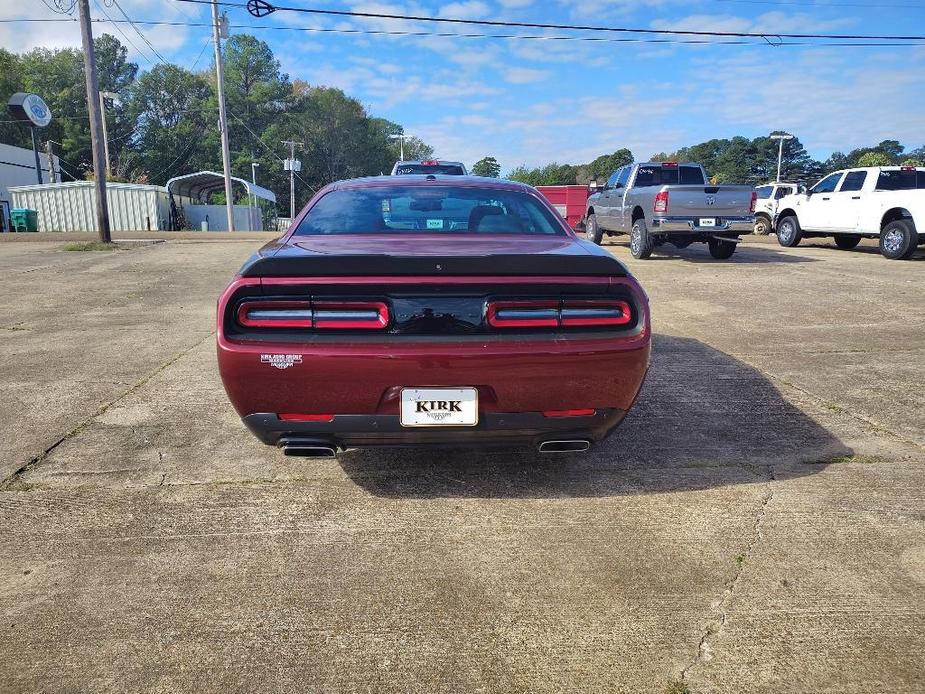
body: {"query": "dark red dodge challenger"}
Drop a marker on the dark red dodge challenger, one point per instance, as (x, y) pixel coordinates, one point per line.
(432, 310)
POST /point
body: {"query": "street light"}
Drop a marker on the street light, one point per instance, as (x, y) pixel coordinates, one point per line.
(114, 98)
(401, 145)
(254, 166)
(780, 150)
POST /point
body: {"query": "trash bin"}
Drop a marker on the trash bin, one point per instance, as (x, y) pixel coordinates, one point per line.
(24, 220)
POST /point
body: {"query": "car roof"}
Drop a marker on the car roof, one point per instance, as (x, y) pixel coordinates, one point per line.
(431, 179)
(421, 161)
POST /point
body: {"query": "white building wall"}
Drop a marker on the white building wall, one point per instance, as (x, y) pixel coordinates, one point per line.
(17, 168)
(71, 206)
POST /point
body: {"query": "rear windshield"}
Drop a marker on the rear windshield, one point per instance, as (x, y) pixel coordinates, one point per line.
(901, 180)
(668, 176)
(445, 169)
(429, 210)
(764, 192)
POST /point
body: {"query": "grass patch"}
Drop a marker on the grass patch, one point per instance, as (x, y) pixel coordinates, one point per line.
(94, 246)
(677, 687)
(740, 560)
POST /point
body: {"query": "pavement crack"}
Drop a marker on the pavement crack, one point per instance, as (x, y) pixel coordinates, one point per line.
(11, 482)
(721, 608)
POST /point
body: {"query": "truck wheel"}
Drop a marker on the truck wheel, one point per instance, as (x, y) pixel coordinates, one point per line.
(847, 241)
(762, 225)
(898, 239)
(789, 232)
(721, 250)
(592, 231)
(640, 241)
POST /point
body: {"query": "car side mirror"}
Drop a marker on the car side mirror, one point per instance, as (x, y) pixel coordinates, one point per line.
(808, 192)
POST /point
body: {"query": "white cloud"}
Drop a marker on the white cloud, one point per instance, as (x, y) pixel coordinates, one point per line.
(471, 9)
(525, 75)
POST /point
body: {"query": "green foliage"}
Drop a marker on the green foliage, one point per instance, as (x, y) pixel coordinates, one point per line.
(488, 166)
(601, 168)
(874, 159)
(549, 175)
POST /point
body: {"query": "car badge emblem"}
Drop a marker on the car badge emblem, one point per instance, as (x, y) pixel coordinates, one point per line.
(711, 200)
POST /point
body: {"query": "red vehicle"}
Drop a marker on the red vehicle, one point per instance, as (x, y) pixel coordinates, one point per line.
(570, 201)
(432, 310)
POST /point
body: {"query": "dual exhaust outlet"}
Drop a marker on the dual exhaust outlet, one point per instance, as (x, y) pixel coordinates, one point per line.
(308, 449)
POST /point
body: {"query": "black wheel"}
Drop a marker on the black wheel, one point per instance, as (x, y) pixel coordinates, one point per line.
(898, 239)
(789, 232)
(847, 241)
(721, 250)
(593, 232)
(640, 241)
(762, 225)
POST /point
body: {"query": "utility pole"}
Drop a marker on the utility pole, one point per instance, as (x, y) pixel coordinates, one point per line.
(35, 151)
(780, 150)
(52, 177)
(222, 118)
(93, 106)
(105, 137)
(292, 169)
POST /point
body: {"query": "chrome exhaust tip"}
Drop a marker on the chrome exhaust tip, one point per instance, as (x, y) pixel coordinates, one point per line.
(310, 451)
(564, 446)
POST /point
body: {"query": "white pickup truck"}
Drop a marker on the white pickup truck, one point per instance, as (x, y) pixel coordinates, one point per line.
(877, 201)
(769, 197)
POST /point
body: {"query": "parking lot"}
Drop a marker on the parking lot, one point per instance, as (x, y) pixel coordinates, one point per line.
(755, 525)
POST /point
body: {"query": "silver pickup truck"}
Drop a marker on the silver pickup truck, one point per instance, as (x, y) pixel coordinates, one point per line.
(668, 202)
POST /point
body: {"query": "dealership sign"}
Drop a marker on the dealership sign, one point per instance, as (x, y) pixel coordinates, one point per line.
(30, 109)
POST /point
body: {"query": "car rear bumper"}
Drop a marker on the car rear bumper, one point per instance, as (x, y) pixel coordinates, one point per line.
(501, 429)
(691, 225)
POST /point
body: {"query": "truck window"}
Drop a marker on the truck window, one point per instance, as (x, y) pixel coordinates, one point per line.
(827, 184)
(611, 182)
(854, 180)
(668, 176)
(899, 179)
(764, 192)
(624, 176)
(784, 191)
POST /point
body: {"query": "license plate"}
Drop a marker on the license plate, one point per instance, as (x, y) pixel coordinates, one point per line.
(439, 407)
(707, 222)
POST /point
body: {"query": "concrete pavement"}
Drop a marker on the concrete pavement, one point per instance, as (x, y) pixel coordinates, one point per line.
(756, 524)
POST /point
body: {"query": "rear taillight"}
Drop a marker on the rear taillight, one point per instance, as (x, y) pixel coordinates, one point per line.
(318, 315)
(754, 201)
(523, 314)
(555, 414)
(275, 314)
(661, 202)
(669, 165)
(574, 314)
(350, 315)
(568, 313)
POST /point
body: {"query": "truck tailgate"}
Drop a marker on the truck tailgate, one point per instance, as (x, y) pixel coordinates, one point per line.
(709, 201)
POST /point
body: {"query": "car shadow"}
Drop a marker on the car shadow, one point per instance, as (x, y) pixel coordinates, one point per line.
(828, 244)
(699, 253)
(703, 420)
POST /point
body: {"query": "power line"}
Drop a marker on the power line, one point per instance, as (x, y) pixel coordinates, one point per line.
(137, 30)
(761, 41)
(834, 6)
(124, 35)
(567, 27)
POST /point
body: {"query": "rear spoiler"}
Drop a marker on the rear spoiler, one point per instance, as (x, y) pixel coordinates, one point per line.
(386, 265)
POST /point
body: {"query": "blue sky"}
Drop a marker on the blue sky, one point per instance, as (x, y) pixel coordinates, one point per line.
(532, 102)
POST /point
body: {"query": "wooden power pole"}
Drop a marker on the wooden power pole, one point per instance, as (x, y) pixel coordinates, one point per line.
(96, 123)
(222, 117)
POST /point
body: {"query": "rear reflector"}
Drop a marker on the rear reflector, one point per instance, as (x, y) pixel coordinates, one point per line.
(570, 313)
(306, 417)
(661, 201)
(754, 201)
(321, 315)
(568, 413)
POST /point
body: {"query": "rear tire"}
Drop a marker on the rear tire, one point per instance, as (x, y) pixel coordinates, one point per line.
(593, 231)
(789, 232)
(847, 241)
(640, 241)
(721, 250)
(762, 225)
(898, 239)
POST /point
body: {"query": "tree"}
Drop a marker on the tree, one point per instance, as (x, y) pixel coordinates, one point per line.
(874, 159)
(601, 168)
(488, 166)
(550, 175)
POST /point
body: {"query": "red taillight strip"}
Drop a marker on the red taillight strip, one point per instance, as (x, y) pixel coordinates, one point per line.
(351, 315)
(661, 202)
(288, 314)
(306, 417)
(587, 313)
(569, 413)
(517, 314)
